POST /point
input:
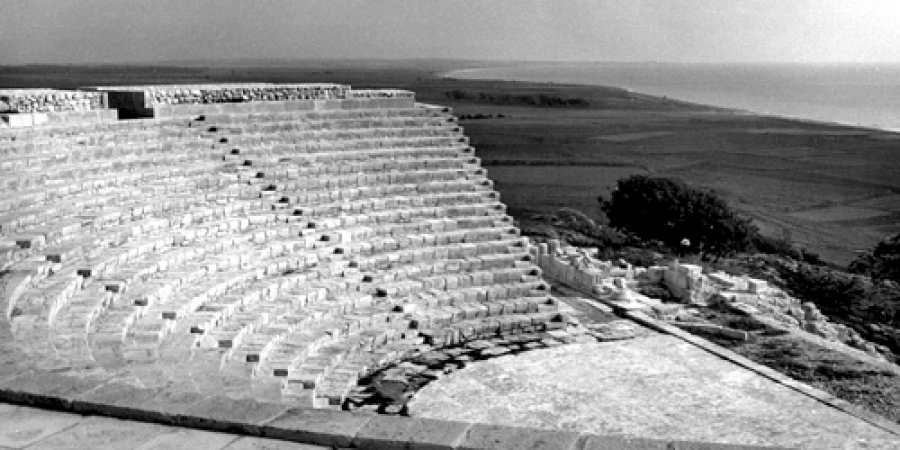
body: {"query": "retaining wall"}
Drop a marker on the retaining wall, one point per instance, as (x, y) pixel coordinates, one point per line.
(49, 100)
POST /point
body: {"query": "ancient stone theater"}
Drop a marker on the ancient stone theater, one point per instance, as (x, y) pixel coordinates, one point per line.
(276, 240)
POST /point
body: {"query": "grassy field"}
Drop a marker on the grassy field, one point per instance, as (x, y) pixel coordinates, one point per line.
(833, 189)
(867, 383)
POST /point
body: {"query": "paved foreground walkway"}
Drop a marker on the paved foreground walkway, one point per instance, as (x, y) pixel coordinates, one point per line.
(657, 385)
(33, 429)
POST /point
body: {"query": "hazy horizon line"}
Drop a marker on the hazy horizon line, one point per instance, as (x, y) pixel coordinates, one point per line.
(285, 61)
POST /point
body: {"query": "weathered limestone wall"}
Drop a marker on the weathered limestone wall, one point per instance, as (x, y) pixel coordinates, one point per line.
(167, 101)
(567, 270)
(576, 268)
(49, 100)
(231, 93)
(16, 120)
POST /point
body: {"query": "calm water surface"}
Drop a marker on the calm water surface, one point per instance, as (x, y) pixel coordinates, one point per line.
(866, 95)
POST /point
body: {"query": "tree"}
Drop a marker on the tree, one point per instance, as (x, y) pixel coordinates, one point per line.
(668, 210)
(882, 262)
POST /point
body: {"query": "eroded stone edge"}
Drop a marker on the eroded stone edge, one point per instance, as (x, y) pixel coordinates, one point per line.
(86, 396)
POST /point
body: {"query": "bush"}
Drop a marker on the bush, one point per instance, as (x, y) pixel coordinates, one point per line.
(572, 219)
(773, 246)
(670, 211)
(882, 262)
(832, 291)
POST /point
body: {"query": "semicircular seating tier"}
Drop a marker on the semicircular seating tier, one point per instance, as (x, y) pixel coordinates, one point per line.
(271, 249)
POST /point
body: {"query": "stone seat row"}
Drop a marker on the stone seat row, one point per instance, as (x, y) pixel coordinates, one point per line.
(217, 317)
(412, 119)
(52, 224)
(36, 177)
(333, 125)
(390, 193)
(227, 338)
(370, 179)
(27, 198)
(104, 222)
(148, 247)
(324, 253)
(294, 130)
(377, 167)
(280, 156)
(309, 242)
(48, 226)
(330, 141)
(99, 138)
(173, 315)
(325, 115)
(347, 186)
(463, 331)
(97, 207)
(71, 138)
(318, 375)
(82, 154)
(383, 172)
(345, 319)
(36, 193)
(72, 236)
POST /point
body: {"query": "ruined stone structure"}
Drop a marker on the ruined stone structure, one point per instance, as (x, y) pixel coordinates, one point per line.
(266, 241)
(619, 284)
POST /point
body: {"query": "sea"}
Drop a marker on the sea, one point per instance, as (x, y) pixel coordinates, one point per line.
(866, 95)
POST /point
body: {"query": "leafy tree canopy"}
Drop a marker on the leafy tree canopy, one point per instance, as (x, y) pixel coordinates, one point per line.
(668, 210)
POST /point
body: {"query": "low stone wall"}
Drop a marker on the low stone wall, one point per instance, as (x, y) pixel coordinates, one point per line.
(577, 269)
(174, 100)
(567, 271)
(276, 107)
(15, 120)
(380, 93)
(229, 93)
(49, 100)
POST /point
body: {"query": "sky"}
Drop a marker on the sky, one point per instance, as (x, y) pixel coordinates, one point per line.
(111, 31)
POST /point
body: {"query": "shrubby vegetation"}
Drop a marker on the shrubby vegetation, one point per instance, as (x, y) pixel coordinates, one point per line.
(646, 219)
(480, 116)
(882, 262)
(539, 100)
(681, 217)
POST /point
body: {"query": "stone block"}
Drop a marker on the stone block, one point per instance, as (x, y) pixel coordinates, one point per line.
(233, 416)
(594, 442)
(130, 402)
(101, 433)
(317, 426)
(686, 445)
(402, 433)
(500, 437)
(21, 427)
(47, 389)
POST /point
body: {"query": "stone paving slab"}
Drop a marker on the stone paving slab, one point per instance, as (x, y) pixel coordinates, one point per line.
(251, 443)
(21, 426)
(501, 437)
(34, 428)
(396, 433)
(317, 426)
(172, 438)
(100, 433)
(656, 386)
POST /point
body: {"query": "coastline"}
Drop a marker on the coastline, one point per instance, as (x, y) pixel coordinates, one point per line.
(456, 74)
